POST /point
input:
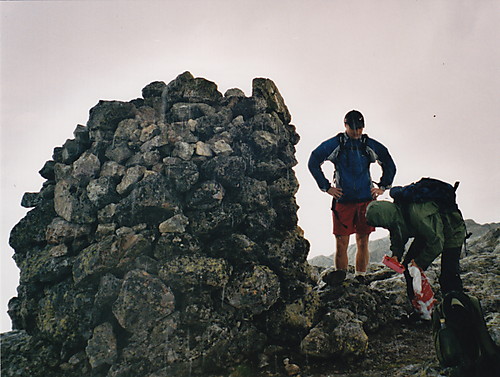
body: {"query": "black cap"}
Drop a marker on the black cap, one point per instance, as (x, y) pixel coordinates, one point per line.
(354, 119)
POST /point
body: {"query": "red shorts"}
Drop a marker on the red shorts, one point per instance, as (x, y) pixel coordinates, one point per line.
(349, 218)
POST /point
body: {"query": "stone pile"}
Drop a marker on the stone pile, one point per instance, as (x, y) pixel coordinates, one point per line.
(165, 240)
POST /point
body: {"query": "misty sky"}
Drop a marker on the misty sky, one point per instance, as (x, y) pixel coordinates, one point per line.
(425, 74)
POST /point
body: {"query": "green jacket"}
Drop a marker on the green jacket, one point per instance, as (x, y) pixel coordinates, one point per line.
(432, 231)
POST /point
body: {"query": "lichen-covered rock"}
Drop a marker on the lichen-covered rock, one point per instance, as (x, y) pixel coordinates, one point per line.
(31, 230)
(86, 167)
(102, 348)
(60, 231)
(66, 315)
(175, 224)
(49, 264)
(107, 114)
(207, 195)
(338, 333)
(72, 203)
(187, 272)
(109, 288)
(182, 175)
(142, 300)
(186, 88)
(266, 89)
(150, 201)
(70, 151)
(102, 191)
(18, 358)
(254, 291)
(96, 260)
(30, 199)
(131, 177)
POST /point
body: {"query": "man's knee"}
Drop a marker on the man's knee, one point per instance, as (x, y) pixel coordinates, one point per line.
(342, 243)
(362, 240)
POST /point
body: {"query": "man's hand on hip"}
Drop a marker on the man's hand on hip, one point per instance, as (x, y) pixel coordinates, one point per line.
(335, 192)
(376, 192)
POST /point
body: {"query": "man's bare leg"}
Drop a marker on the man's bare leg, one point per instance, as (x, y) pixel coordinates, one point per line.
(362, 255)
(341, 258)
(337, 275)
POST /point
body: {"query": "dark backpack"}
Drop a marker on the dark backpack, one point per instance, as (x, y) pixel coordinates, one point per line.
(461, 338)
(427, 190)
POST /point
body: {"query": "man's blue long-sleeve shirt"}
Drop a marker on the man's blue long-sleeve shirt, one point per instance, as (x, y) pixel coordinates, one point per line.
(352, 162)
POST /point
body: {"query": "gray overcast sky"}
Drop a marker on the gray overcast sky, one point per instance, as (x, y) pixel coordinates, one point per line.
(425, 73)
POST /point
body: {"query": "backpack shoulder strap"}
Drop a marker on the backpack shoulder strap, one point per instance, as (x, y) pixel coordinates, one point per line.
(342, 139)
(335, 153)
(342, 142)
(341, 136)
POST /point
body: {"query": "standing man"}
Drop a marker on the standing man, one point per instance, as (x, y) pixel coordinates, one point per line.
(351, 152)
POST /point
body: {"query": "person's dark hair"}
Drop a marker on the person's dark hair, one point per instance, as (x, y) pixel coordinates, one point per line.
(354, 119)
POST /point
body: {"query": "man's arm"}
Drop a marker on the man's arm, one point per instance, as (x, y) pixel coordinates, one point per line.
(318, 156)
(398, 238)
(386, 162)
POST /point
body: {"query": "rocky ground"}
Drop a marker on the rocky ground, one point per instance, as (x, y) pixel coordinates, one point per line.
(404, 348)
(396, 348)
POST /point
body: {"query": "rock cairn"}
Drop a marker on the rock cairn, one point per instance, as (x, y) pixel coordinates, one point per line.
(165, 240)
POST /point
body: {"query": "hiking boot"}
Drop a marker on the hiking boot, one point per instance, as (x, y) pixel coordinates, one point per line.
(335, 277)
(362, 279)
